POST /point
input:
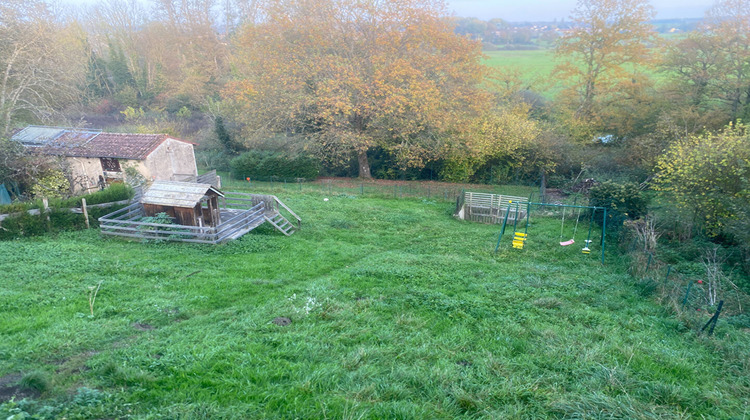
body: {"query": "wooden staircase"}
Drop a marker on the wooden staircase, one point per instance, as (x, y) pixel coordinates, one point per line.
(281, 224)
(275, 211)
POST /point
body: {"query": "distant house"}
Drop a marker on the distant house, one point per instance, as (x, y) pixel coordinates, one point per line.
(96, 158)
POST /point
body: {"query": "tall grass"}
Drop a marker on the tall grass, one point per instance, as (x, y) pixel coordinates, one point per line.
(397, 311)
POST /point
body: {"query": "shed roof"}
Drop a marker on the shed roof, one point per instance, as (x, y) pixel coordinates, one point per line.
(177, 194)
(89, 143)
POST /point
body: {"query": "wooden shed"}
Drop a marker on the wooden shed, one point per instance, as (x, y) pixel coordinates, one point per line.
(190, 204)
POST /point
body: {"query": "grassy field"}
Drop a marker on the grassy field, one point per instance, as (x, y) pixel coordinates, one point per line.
(397, 311)
(534, 66)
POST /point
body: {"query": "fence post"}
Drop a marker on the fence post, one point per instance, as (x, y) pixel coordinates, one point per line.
(85, 213)
(362, 189)
(604, 232)
(650, 257)
(669, 270)
(45, 203)
(714, 319)
(687, 293)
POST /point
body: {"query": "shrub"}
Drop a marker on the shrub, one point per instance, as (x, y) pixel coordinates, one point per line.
(709, 174)
(22, 224)
(115, 192)
(622, 201)
(36, 381)
(262, 164)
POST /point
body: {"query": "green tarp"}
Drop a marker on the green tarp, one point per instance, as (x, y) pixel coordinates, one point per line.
(4, 196)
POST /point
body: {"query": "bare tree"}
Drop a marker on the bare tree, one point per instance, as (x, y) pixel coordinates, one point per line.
(40, 63)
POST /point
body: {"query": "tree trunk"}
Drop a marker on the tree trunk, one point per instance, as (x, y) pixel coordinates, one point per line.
(364, 165)
(543, 185)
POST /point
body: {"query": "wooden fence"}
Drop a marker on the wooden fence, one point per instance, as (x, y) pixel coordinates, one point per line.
(126, 222)
(490, 208)
(271, 204)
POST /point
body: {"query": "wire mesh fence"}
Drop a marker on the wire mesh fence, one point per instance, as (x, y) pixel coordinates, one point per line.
(428, 190)
(685, 292)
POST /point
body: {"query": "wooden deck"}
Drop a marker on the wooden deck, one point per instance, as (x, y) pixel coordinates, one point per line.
(240, 213)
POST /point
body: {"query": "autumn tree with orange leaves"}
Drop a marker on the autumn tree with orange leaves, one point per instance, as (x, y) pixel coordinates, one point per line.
(350, 75)
(601, 65)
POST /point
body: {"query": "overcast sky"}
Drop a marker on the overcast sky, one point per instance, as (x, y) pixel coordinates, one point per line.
(548, 10)
(543, 10)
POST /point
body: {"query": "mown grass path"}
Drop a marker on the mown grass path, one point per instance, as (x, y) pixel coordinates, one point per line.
(397, 309)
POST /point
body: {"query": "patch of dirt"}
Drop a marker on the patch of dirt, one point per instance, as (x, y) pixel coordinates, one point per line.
(142, 326)
(9, 388)
(554, 196)
(282, 321)
(75, 364)
(126, 342)
(464, 363)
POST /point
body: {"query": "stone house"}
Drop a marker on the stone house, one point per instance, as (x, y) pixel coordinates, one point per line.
(96, 158)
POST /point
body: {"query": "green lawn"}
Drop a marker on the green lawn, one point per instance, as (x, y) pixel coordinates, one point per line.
(398, 311)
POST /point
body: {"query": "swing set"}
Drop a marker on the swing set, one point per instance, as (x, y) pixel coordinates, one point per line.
(519, 238)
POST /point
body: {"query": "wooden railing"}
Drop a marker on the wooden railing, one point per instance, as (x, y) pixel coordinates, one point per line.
(490, 208)
(272, 204)
(124, 222)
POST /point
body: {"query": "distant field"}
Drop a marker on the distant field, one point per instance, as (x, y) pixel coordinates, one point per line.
(535, 65)
(532, 62)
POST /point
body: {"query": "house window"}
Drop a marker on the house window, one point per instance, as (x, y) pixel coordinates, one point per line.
(110, 165)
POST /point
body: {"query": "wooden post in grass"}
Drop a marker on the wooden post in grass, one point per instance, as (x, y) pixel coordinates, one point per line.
(45, 204)
(85, 213)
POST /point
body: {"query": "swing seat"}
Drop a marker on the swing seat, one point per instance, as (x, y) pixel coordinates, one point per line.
(566, 243)
(586, 250)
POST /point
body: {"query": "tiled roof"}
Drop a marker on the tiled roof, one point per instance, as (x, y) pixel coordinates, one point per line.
(81, 143)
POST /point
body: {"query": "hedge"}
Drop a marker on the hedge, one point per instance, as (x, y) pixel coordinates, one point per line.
(22, 224)
(268, 164)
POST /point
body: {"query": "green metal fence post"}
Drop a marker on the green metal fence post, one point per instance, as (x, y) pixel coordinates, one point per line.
(604, 233)
(669, 270)
(687, 293)
(528, 211)
(362, 189)
(648, 265)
